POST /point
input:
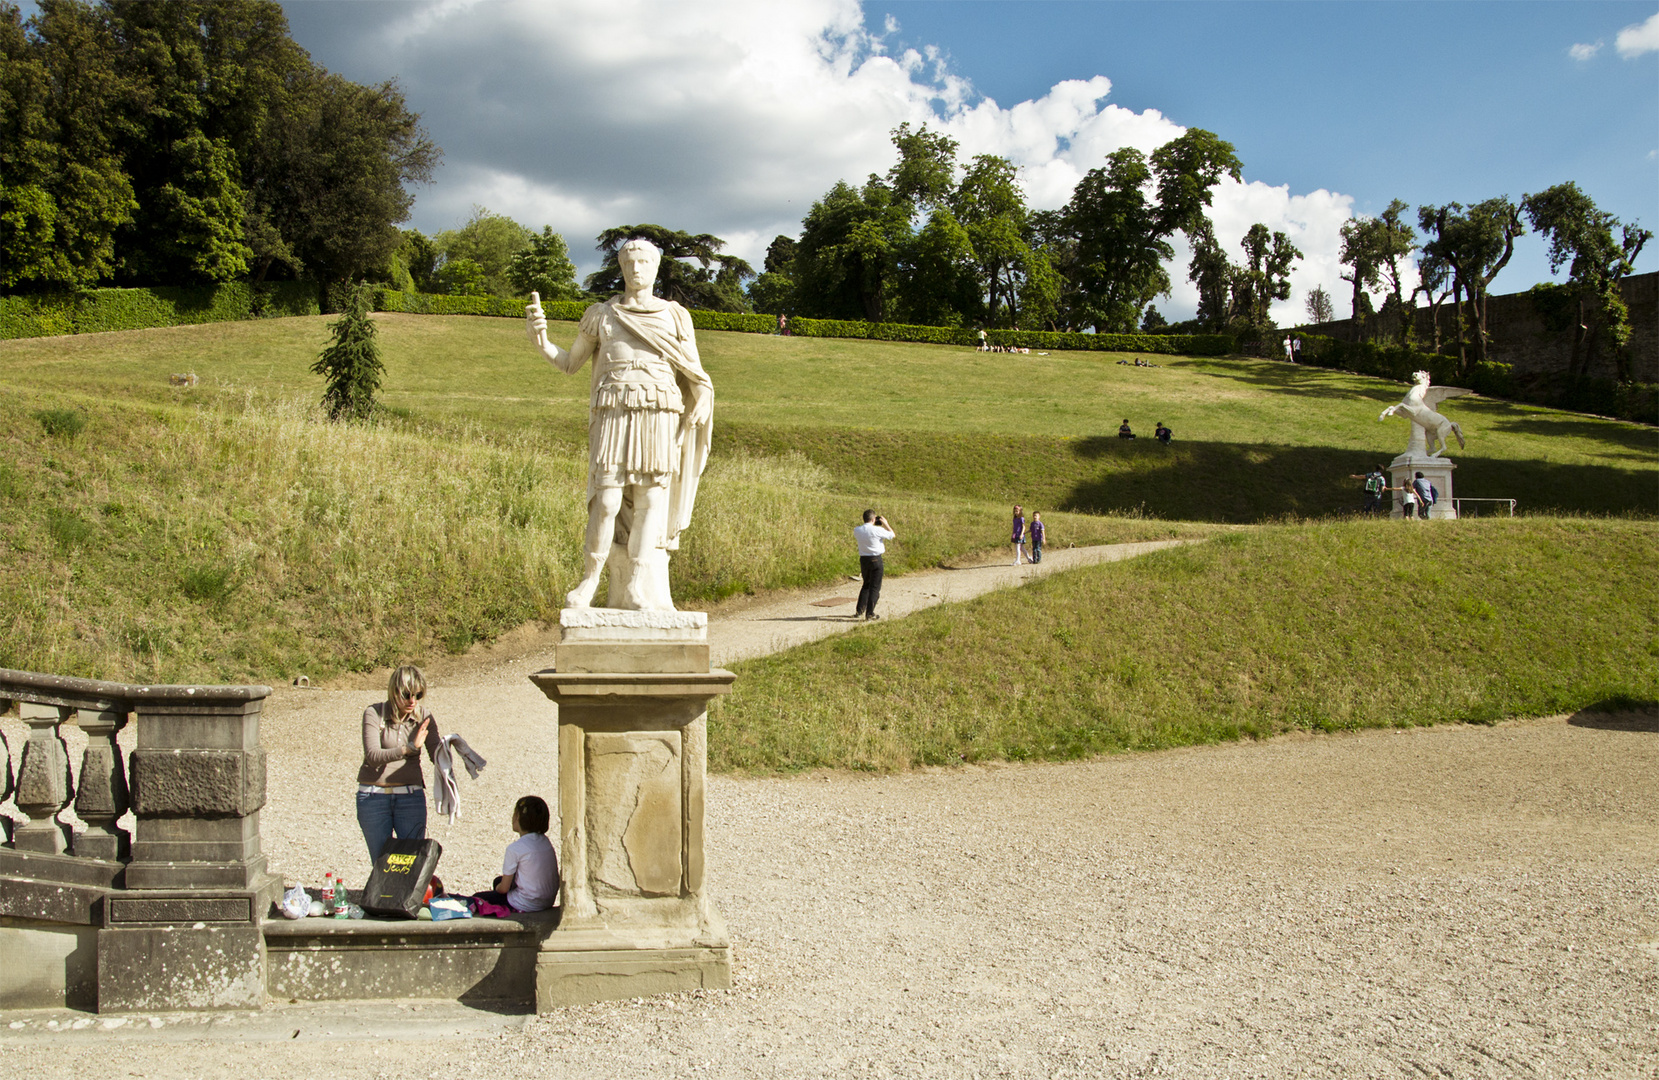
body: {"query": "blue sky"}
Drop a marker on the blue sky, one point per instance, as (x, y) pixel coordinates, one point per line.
(732, 116)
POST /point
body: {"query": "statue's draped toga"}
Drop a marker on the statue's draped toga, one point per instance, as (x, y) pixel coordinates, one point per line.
(645, 365)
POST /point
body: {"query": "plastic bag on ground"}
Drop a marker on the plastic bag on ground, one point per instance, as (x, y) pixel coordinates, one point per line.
(296, 903)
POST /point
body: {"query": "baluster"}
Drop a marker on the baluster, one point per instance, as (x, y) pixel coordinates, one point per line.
(5, 776)
(43, 781)
(102, 796)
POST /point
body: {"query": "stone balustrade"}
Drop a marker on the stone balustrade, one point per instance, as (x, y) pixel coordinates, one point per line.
(189, 887)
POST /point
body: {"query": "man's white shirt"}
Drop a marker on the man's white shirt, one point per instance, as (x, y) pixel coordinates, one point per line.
(870, 537)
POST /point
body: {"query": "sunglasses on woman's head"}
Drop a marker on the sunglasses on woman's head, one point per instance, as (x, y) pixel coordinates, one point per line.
(418, 695)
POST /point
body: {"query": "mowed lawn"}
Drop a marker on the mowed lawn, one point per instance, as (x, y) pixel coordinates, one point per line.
(1254, 440)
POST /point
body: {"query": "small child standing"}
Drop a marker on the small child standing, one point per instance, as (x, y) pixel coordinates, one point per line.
(529, 878)
(1018, 538)
(1036, 536)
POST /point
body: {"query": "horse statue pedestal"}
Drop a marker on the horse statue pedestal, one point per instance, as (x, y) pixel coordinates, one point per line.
(1436, 470)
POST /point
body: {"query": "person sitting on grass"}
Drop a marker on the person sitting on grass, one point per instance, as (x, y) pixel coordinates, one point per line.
(1123, 430)
(529, 879)
(1162, 433)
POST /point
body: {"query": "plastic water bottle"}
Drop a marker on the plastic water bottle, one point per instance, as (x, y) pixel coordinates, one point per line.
(342, 900)
(328, 894)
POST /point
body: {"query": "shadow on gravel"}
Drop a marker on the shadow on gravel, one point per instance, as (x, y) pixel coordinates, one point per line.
(1623, 714)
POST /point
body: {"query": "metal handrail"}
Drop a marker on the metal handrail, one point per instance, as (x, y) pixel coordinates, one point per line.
(1457, 504)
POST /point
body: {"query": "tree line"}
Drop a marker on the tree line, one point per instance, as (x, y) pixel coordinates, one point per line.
(938, 242)
(191, 142)
(1463, 248)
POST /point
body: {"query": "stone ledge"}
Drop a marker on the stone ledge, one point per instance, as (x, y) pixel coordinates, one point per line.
(589, 618)
(342, 930)
(96, 694)
(582, 686)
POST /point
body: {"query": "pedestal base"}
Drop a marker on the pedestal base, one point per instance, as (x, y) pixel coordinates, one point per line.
(632, 688)
(577, 967)
(1436, 470)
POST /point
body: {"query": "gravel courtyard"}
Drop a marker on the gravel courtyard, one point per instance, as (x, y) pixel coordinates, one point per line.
(1454, 901)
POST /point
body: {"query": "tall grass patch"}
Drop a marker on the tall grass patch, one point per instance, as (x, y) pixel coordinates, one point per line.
(234, 537)
(1321, 627)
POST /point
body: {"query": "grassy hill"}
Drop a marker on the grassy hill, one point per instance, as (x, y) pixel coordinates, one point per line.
(225, 533)
(1313, 627)
(1253, 439)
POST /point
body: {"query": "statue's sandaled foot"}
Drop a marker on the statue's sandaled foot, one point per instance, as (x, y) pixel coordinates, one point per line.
(582, 595)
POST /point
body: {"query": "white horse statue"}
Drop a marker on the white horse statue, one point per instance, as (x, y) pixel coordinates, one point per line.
(1426, 424)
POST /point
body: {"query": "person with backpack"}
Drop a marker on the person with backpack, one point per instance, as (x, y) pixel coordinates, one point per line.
(1426, 495)
(1375, 485)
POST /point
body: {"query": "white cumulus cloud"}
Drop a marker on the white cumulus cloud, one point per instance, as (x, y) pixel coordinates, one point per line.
(732, 116)
(1584, 52)
(1639, 38)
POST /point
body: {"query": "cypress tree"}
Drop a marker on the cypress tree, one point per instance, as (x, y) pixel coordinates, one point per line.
(352, 363)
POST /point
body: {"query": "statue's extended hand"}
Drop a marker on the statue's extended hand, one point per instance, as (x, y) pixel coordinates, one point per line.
(535, 321)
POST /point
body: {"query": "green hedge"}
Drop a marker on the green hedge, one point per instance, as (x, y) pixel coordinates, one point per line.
(735, 322)
(1183, 345)
(99, 310)
(571, 310)
(1401, 364)
(500, 307)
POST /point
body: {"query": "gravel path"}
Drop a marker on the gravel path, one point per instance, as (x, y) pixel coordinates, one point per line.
(1455, 901)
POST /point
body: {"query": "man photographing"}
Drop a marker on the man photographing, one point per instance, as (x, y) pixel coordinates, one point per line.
(872, 537)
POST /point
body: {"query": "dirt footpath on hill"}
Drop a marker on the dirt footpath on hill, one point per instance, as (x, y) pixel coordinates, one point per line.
(1454, 901)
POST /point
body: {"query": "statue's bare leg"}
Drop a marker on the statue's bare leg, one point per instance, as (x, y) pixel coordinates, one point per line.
(646, 534)
(596, 545)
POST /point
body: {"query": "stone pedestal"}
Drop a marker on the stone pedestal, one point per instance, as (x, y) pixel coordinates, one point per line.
(1436, 470)
(186, 932)
(632, 689)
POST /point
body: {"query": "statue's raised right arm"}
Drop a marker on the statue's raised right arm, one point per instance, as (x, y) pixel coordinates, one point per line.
(569, 360)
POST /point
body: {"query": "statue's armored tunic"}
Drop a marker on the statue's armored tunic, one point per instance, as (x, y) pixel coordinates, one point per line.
(636, 402)
(644, 363)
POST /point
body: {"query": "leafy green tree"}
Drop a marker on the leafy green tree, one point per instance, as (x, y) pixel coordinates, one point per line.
(780, 256)
(330, 175)
(1373, 249)
(206, 72)
(714, 284)
(544, 267)
(463, 277)
(1121, 250)
(1363, 271)
(847, 256)
(351, 363)
(990, 205)
(1476, 243)
(420, 256)
(1188, 168)
(925, 176)
(491, 241)
(1264, 276)
(773, 291)
(63, 107)
(1581, 235)
(1213, 273)
(1434, 282)
(937, 281)
(1319, 305)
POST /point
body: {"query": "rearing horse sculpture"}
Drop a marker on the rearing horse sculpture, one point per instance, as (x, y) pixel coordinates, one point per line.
(1426, 424)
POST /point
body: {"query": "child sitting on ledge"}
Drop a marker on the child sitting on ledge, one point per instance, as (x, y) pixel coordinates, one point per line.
(529, 878)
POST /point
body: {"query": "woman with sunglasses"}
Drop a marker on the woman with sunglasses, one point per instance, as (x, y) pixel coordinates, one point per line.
(391, 787)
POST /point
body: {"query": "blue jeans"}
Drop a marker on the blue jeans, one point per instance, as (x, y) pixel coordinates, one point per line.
(380, 816)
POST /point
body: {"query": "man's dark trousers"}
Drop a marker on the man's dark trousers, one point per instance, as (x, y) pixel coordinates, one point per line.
(870, 566)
